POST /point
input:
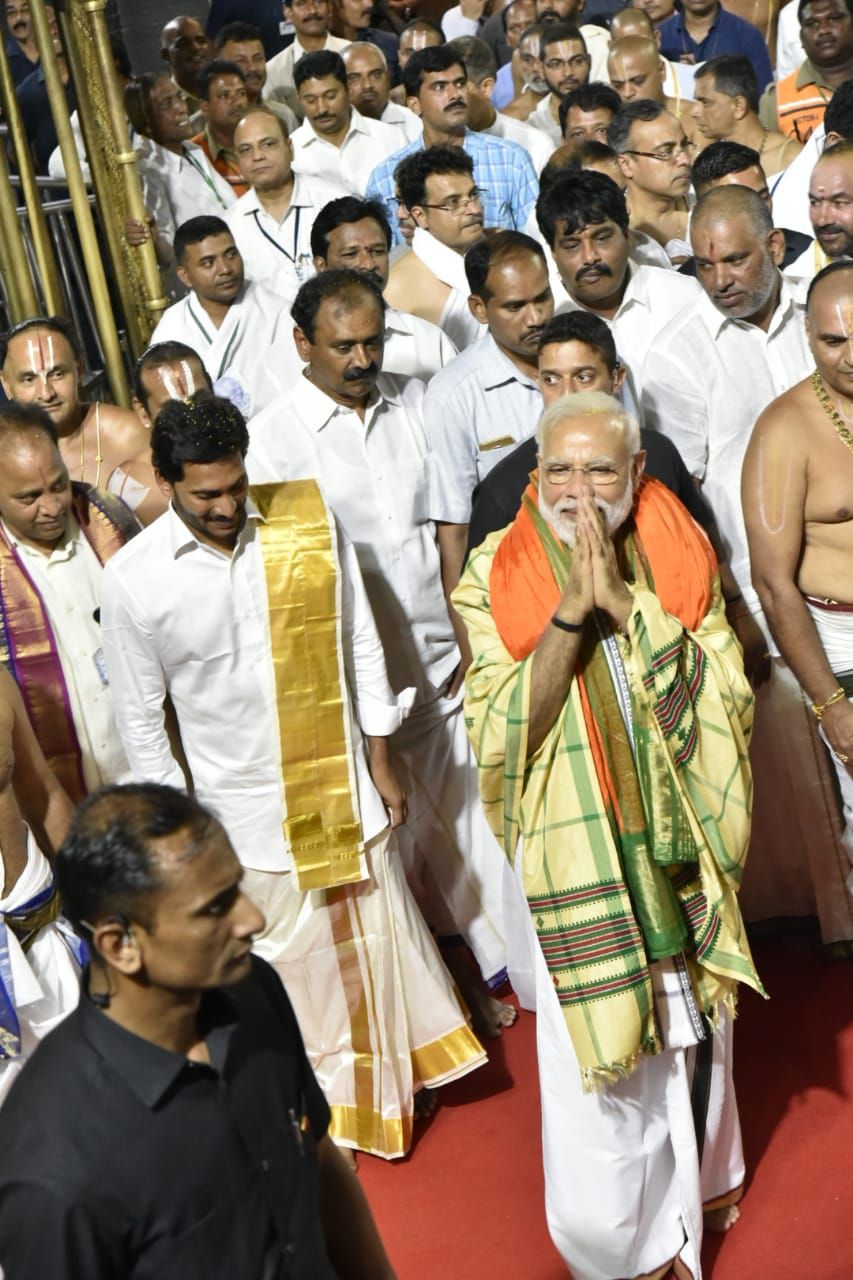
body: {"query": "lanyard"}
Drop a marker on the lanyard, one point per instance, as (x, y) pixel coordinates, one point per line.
(275, 243)
(204, 177)
(224, 362)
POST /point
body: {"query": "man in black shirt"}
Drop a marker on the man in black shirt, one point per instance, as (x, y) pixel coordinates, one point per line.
(576, 353)
(172, 1126)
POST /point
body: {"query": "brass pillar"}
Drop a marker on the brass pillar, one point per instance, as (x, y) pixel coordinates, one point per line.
(20, 289)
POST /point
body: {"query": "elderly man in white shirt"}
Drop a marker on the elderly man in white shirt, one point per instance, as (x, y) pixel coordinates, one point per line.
(711, 372)
(311, 20)
(369, 85)
(236, 326)
(584, 220)
(225, 608)
(271, 224)
(336, 142)
(54, 539)
(364, 437)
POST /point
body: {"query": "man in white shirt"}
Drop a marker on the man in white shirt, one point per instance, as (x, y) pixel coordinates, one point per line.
(272, 222)
(353, 426)
(437, 188)
(336, 142)
(310, 19)
(565, 66)
(254, 620)
(355, 233)
(369, 86)
(235, 325)
(584, 222)
(708, 376)
(54, 541)
(479, 62)
(830, 212)
(488, 400)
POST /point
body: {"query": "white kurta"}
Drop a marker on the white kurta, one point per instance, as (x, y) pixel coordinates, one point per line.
(367, 144)
(256, 331)
(176, 188)
(375, 475)
(475, 412)
(278, 254)
(69, 583)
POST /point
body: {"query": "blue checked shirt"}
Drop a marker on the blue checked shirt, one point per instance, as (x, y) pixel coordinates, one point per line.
(502, 170)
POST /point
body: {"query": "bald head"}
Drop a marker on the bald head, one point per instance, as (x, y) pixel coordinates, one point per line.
(635, 69)
(186, 47)
(722, 204)
(631, 22)
(368, 78)
(738, 254)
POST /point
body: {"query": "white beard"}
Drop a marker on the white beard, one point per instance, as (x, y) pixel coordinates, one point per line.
(560, 515)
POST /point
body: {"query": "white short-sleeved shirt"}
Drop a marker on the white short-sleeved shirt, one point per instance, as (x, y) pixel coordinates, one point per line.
(367, 144)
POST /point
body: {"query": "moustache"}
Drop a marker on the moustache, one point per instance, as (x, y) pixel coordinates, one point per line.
(586, 272)
(451, 106)
(549, 15)
(830, 229)
(533, 335)
(359, 375)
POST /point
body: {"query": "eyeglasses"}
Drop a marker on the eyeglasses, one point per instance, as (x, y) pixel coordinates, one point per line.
(457, 204)
(577, 63)
(668, 154)
(599, 474)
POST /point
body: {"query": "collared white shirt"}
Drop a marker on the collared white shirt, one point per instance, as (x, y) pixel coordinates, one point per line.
(375, 476)
(180, 617)
(536, 142)
(178, 187)
(475, 412)
(69, 584)
(280, 68)
(706, 380)
(652, 297)
(414, 347)
(278, 254)
(256, 331)
(367, 144)
(542, 119)
(410, 125)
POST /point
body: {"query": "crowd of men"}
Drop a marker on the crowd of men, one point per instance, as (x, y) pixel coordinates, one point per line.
(462, 599)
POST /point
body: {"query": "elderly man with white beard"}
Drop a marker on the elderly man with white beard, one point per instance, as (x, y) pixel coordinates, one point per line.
(609, 712)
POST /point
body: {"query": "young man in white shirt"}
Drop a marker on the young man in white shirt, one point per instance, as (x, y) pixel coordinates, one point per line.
(310, 19)
(254, 620)
(708, 376)
(353, 426)
(369, 85)
(272, 222)
(235, 325)
(584, 222)
(336, 142)
(565, 66)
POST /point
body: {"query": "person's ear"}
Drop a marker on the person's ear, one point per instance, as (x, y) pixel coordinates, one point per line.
(184, 277)
(302, 344)
(776, 246)
(420, 216)
(740, 106)
(477, 307)
(414, 104)
(638, 465)
(320, 264)
(164, 485)
(618, 378)
(141, 412)
(116, 943)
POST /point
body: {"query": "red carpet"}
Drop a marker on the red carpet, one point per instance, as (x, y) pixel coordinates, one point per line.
(468, 1202)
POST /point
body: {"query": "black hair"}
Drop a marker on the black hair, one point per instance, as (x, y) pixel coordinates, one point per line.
(579, 199)
(593, 96)
(107, 866)
(838, 117)
(201, 429)
(476, 56)
(802, 4)
(734, 76)
(493, 251)
(318, 65)
(436, 57)
(213, 71)
(340, 283)
(843, 264)
(341, 211)
(194, 230)
(413, 170)
(555, 32)
(158, 355)
(137, 101)
(618, 131)
(20, 419)
(236, 33)
(121, 58)
(582, 326)
(719, 160)
(53, 324)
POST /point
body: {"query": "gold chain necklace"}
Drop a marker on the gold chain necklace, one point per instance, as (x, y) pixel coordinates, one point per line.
(844, 435)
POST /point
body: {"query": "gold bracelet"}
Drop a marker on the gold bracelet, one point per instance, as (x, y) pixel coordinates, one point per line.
(819, 707)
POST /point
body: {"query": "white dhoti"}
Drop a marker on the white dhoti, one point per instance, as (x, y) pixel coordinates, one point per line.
(834, 626)
(373, 999)
(43, 982)
(453, 862)
(626, 1182)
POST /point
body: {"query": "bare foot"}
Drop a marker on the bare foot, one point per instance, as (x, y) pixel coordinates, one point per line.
(488, 1016)
(349, 1155)
(426, 1101)
(722, 1220)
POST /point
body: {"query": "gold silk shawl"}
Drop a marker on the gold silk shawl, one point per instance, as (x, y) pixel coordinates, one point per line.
(684, 687)
(298, 546)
